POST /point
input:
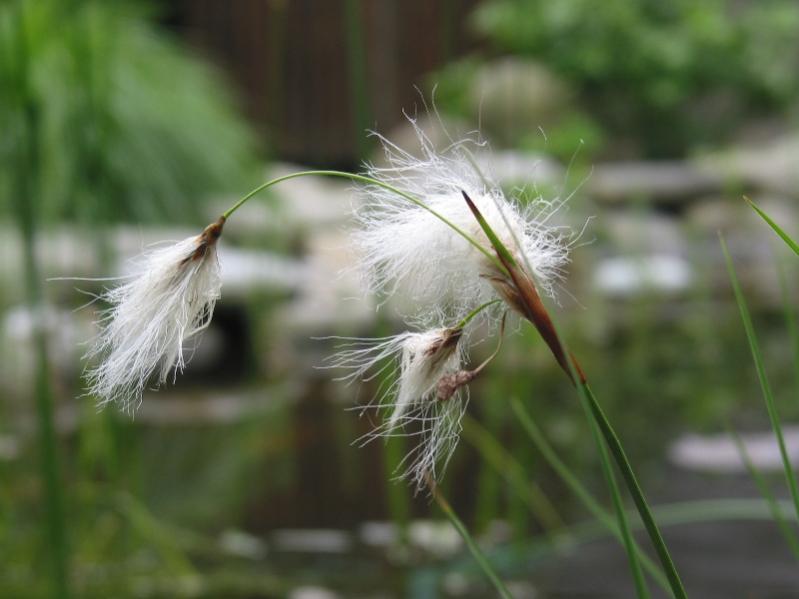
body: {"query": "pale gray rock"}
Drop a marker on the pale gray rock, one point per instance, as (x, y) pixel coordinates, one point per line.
(66, 336)
(628, 276)
(312, 592)
(719, 454)
(772, 166)
(636, 232)
(308, 540)
(661, 182)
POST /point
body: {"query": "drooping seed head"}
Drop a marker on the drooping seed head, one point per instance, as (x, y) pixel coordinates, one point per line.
(418, 362)
(168, 300)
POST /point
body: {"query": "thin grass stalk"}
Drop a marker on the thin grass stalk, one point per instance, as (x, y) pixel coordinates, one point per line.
(27, 184)
(474, 549)
(573, 482)
(790, 321)
(775, 227)
(616, 448)
(618, 506)
(788, 533)
(760, 367)
(532, 495)
(527, 300)
(489, 482)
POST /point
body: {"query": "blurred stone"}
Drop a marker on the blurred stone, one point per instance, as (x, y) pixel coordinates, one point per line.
(66, 336)
(435, 537)
(522, 589)
(719, 454)
(631, 232)
(772, 166)
(457, 584)
(755, 248)
(662, 182)
(716, 213)
(311, 540)
(378, 534)
(626, 276)
(242, 544)
(310, 592)
(246, 271)
(513, 97)
(9, 448)
(438, 538)
(331, 294)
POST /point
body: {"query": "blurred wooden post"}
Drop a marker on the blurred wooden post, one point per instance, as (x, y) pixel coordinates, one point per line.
(314, 74)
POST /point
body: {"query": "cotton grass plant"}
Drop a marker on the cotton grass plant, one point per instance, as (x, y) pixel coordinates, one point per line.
(434, 229)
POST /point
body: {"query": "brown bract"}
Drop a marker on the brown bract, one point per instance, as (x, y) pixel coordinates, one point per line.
(518, 290)
(206, 240)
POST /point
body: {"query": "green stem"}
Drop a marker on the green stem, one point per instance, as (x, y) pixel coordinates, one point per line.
(568, 477)
(616, 449)
(624, 526)
(790, 320)
(763, 487)
(509, 468)
(27, 182)
(369, 181)
(478, 555)
(760, 367)
(470, 316)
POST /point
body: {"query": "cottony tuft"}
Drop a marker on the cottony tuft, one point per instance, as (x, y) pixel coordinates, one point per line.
(419, 362)
(169, 300)
(405, 248)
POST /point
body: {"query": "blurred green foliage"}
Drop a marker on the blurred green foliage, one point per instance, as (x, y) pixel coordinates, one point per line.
(664, 75)
(133, 128)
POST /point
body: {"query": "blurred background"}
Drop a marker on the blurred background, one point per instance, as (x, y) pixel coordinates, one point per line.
(124, 123)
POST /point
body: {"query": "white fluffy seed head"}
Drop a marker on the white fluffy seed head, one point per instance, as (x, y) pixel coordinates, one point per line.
(167, 301)
(416, 363)
(405, 248)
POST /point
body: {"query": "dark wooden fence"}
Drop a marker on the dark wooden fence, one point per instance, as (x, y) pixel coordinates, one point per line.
(313, 74)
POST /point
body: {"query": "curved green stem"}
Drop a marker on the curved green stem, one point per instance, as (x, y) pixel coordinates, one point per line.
(368, 181)
(470, 316)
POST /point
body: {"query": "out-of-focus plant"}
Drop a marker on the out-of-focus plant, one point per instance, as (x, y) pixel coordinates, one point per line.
(667, 75)
(132, 127)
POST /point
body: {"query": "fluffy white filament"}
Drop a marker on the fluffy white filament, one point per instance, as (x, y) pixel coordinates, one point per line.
(415, 363)
(170, 299)
(406, 248)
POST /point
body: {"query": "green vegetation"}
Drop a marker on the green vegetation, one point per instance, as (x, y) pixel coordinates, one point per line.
(132, 128)
(665, 77)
